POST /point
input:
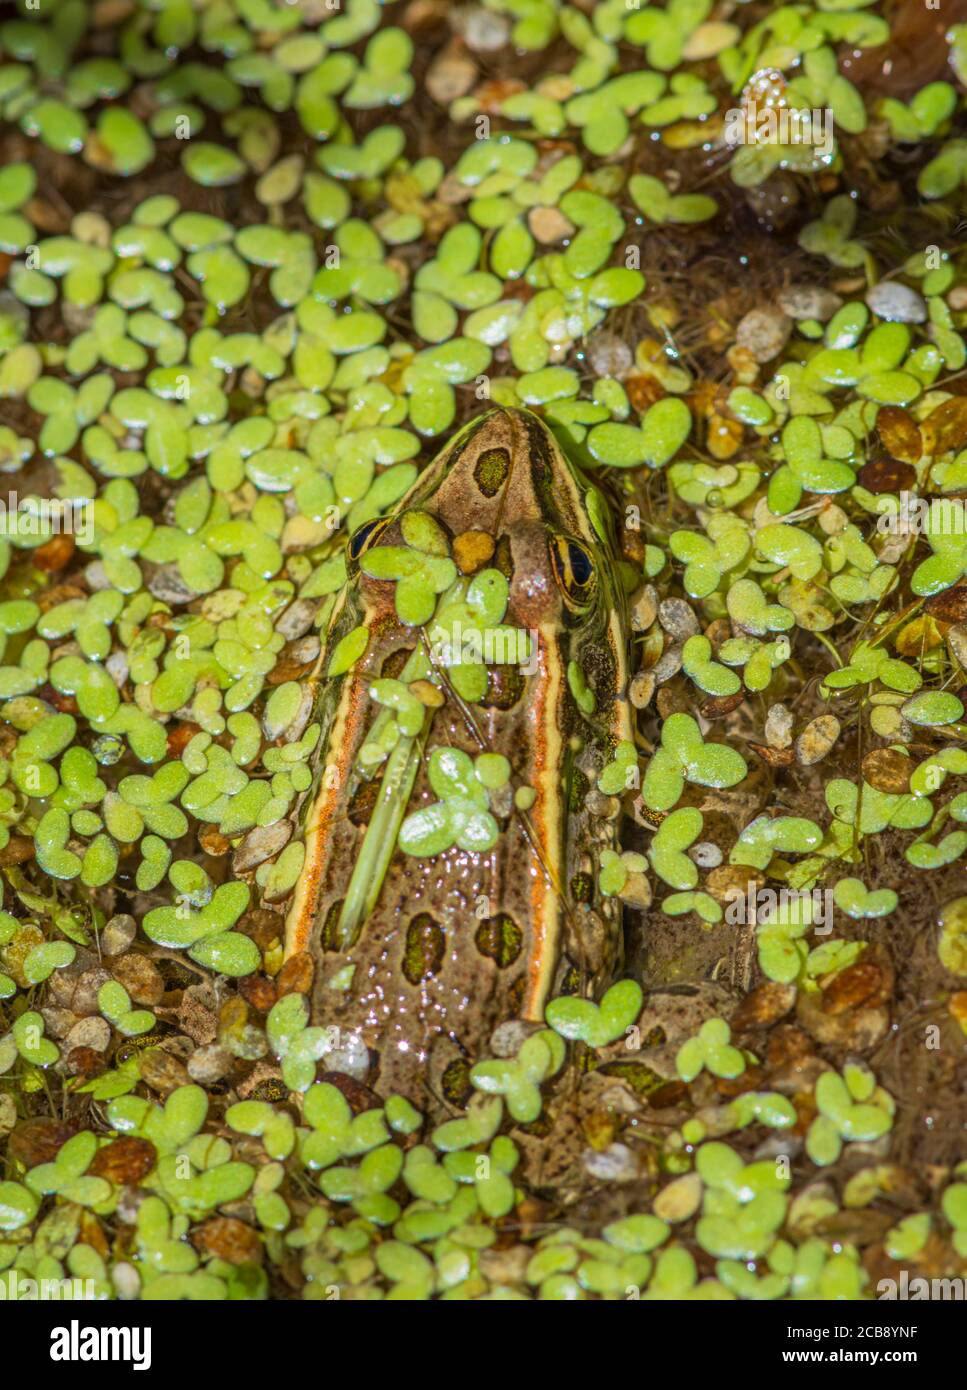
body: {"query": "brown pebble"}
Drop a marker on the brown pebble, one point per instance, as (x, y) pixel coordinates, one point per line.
(775, 757)
(641, 689)
(162, 1071)
(229, 1239)
(718, 706)
(886, 475)
(763, 332)
(809, 302)
(263, 926)
(817, 739)
(38, 1140)
(766, 1004)
(950, 606)
(673, 699)
(549, 225)
(731, 880)
(92, 1033)
(888, 770)
(899, 433)
(850, 988)
(118, 934)
(259, 991)
(643, 391)
(213, 842)
(124, 1161)
(86, 1062)
(54, 554)
(451, 75)
(209, 1064)
(17, 850)
(179, 737)
(140, 977)
(296, 975)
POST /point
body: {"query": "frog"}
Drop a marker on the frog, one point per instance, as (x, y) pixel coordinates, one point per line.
(419, 956)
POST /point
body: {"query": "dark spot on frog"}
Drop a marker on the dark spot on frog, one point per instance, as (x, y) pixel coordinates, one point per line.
(582, 888)
(363, 802)
(541, 459)
(394, 663)
(500, 939)
(384, 623)
(600, 672)
(503, 558)
(515, 995)
(577, 791)
(571, 983)
(455, 1082)
(423, 952)
(490, 471)
(327, 937)
(505, 686)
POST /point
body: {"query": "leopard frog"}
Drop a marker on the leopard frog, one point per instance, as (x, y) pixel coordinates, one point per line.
(492, 905)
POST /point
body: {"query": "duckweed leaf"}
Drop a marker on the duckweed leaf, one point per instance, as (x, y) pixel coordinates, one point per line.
(684, 756)
(597, 1024)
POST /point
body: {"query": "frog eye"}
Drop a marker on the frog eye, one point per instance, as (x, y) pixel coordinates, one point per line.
(573, 570)
(366, 535)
